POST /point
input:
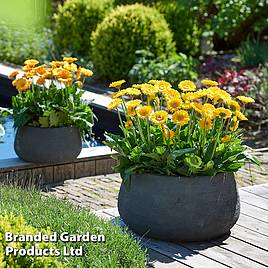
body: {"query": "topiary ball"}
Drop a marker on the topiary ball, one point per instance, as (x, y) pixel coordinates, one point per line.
(75, 21)
(124, 31)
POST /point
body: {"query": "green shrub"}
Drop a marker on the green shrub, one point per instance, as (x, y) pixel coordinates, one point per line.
(122, 32)
(17, 225)
(119, 249)
(75, 21)
(253, 52)
(17, 45)
(174, 68)
(182, 21)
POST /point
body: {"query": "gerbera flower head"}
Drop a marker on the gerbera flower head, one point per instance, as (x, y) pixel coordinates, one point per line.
(245, 99)
(70, 59)
(144, 112)
(206, 123)
(114, 104)
(13, 74)
(234, 105)
(209, 83)
(223, 112)
(128, 124)
(234, 124)
(240, 116)
(174, 104)
(181, 118)
(31, 62)
(159, 117)
(133, 103)
(187, 85)
(117, 84)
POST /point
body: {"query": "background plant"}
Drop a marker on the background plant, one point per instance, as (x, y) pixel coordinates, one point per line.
(122, 32)
(17, 45)
(253, 52)
(75, 20)
(119, 250)
(177, 66)
(172, 132)
(49, 96)
(17, 225)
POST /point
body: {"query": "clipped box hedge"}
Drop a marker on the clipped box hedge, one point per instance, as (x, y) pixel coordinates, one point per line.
(124, 31)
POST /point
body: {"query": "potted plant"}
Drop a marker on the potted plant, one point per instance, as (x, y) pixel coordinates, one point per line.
(177, 158)
(49, 115)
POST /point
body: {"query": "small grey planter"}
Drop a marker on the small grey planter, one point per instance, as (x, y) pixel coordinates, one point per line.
(180, 208)
(48, 145)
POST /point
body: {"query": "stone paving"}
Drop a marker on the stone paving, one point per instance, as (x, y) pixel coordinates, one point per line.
(100, 192)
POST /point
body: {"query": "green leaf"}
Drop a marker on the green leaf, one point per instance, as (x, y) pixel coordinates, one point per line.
(44, 121)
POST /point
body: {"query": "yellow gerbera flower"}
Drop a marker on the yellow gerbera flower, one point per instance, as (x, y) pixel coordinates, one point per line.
(181, 117)
(206, 122)
(41, 80)
(114, 104)
(225, 139)
(162, 85)
(245, 99)
(223, 112)
(187, 85)
(40, 70)
(174, 104)
(190, 96)
(132, 91)
(117, 84)
(186, 105)
(234, 124)
(240, 116)
(149, 90)
(21, 84)
(131, 110)
(144, 112)
(234, 105)
(86, 72)
(209, 83)
(70, 59)
(171, 94)
(31, 62)
(133, 103)
(71, 67)
(128, 124)
(13, 74)
(118, 94)
(159, 117)
(209, 110)
(198, 107)
(56, 64)
(138, 86)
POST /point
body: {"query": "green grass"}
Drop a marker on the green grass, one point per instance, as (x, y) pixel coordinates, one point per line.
(119, 249)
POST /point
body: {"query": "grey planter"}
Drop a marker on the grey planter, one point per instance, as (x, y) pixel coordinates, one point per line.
(48, 145)
(180, 208)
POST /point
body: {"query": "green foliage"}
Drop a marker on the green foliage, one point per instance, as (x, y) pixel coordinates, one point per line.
(17, 225)
(52, 107)
(177, 133)
(17, 45)
(76, 20)
(122, 32)
(174, 68)
(119, 249)
(182, 21)
(253, 52)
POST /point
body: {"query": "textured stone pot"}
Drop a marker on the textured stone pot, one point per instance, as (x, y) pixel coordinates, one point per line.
(48, 145)
(180, 208)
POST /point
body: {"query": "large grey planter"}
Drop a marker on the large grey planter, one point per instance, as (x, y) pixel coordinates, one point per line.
(180, 208)
(48, 145)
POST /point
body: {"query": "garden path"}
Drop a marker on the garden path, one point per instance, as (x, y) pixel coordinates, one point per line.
(100, 192)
